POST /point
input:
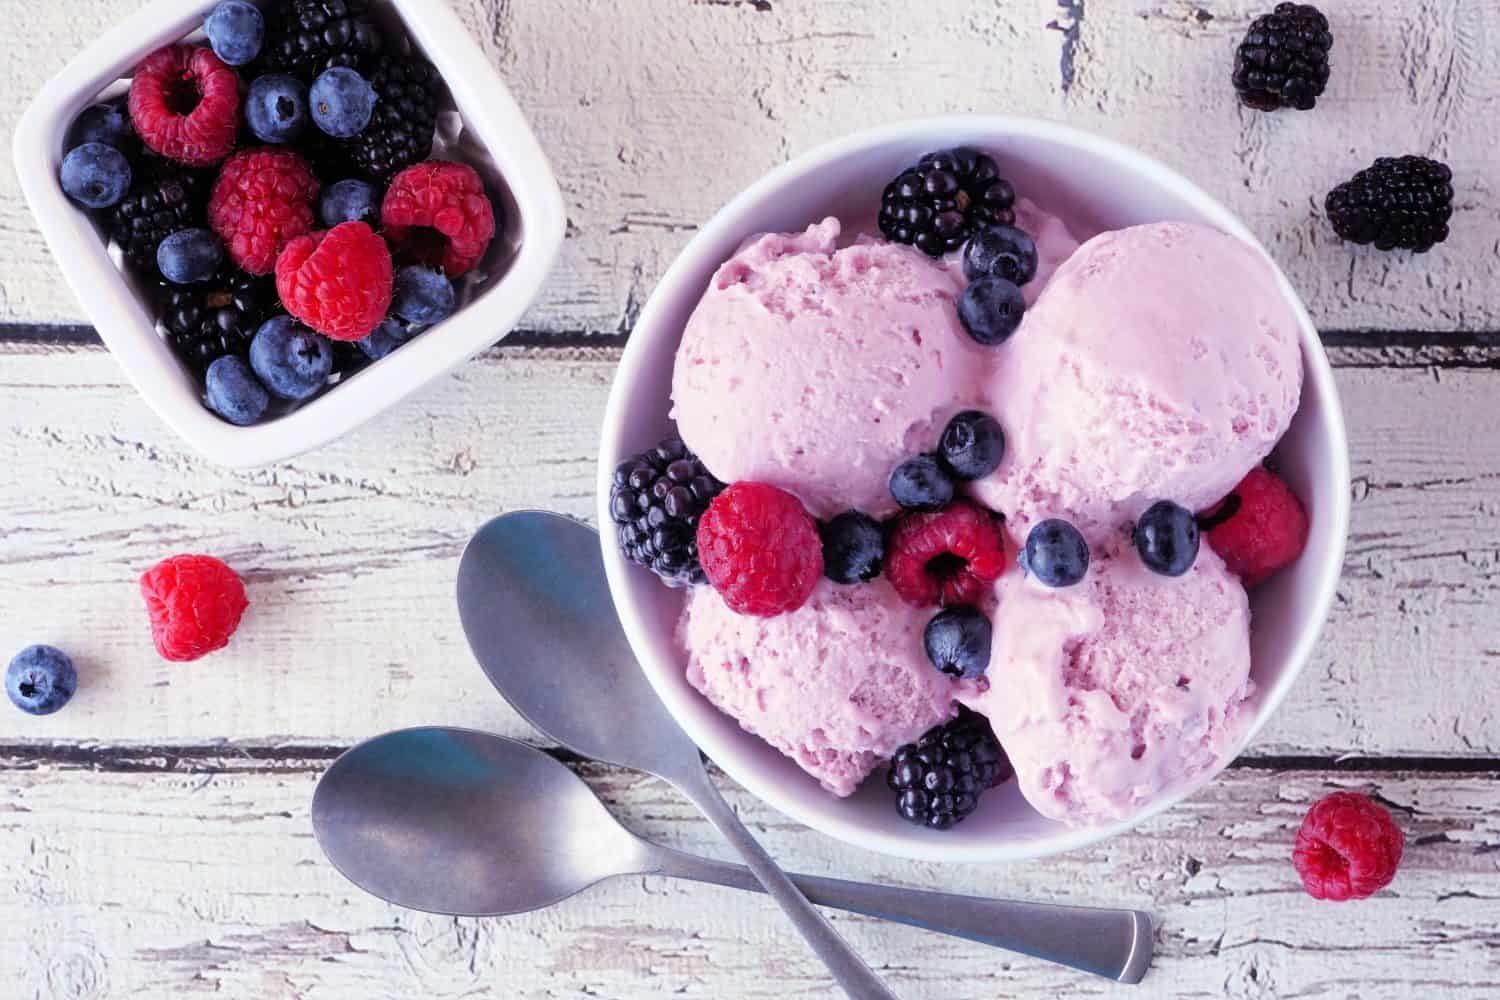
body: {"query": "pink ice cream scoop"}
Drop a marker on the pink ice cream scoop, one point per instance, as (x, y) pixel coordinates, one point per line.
(819, 369)
(837, 685)
(1112, 693)
(1160, 363)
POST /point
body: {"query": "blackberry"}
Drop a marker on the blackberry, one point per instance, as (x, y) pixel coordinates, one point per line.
(656, 501)
(205, 322)
(938, 203)
(310, 36)
(938, 779)
(163, 199)
(1396, 202)
(400, 133)
(1283, 61)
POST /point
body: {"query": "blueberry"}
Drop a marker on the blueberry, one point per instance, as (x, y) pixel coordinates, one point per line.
(990, 310)
(384, 339)
(108, 124)
(290, 360)
(972, 445)
(95, 175)
(853, 547)
(350, 201)
(276, 108)
(40, 680)
(342, 102)
(233, 392)
(922, 483)
(1056, 553)
(189, 255)
(1166, 536)
(235, 30)
(422, 295)
(958, 642)
(1002, 251)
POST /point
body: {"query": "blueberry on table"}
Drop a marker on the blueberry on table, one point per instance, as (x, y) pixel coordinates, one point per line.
(958, 640)
(276, 108)
(40, 680)
(95, 175)
(1056, 554)
(235, 30)
(990, 309)
(290, 360)
(107, 124)
(1002, 252)
(189, 256)
(1166, 536)
(384, 339)
(350, 201)
(234, 393)
(423, 295)
(853, 547)
(922, 483)
(342, 102)
(972, 445)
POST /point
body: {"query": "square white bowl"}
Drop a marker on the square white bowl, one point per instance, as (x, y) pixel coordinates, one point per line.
(495, 139)
(1092, 181)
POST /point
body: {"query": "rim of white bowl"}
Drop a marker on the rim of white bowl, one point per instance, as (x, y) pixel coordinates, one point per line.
(730, 217)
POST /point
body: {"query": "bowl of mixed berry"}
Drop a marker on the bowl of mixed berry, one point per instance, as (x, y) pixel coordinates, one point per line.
(284, 216)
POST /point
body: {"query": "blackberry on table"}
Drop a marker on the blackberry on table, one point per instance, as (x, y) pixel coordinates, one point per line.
(206, 322)
(938, 779)
(307, 37)
(1395, 202)
(400, 133)
(938, 203)
(1283, 61)
(655, 501)
(163, 199)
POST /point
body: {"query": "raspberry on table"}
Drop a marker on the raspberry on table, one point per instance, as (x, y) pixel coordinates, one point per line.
(760, 549)
(437, 213)
(949, 557)
(195, 603)
(1259, 528)
(337, 282)
(185, 104)
(1349, 847)
(262, 200)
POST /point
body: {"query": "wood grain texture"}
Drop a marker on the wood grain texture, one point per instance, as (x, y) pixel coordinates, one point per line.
(351, 553)
(203, 877)
(673, 106)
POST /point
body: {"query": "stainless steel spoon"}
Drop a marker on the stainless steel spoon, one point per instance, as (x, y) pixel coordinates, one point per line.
(536, 608)
(470, 824)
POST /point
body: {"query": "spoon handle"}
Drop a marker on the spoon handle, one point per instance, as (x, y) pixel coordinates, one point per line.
(1116, 944)
(848, 969)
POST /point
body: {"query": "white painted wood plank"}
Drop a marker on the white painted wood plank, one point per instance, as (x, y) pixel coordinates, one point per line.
(351, 552)
(175, 884)
(673, 106)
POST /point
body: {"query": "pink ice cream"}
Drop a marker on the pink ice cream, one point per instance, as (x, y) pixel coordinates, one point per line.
(837, 685)
(1161, 362)
(1109, 694)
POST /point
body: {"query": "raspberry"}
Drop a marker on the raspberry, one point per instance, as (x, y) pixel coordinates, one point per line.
(195, 603)
(436, 213)
(1348, 848)
(1259, 528)
(261, 201)
(760, 549)
(185, 103)
(337, 282)
(947, 557)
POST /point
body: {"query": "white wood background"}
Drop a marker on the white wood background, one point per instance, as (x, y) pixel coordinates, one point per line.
(154, 837)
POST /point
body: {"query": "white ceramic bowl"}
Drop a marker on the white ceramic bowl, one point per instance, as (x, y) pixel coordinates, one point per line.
(1093, 180)
(491, 135)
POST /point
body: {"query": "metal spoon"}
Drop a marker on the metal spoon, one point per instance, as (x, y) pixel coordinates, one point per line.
(469, 824)
(537, 610)
(539, 617)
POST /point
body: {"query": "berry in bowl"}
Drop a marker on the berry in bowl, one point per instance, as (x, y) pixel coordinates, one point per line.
(973, 488)
(291, 214)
